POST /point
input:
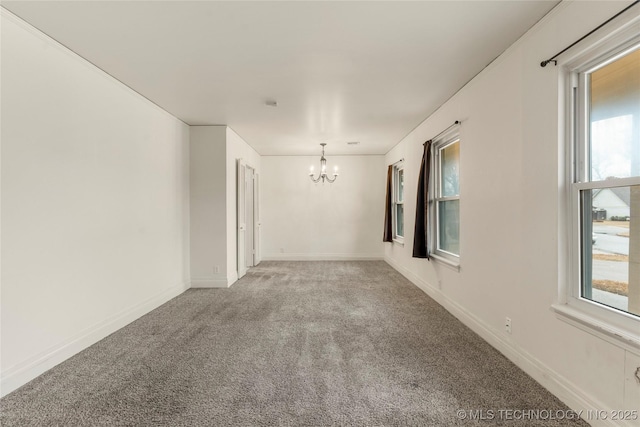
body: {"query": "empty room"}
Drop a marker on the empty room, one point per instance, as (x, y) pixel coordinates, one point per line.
(320, 213)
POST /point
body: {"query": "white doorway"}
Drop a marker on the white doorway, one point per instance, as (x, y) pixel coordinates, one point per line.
(248, 203)
(248, 221)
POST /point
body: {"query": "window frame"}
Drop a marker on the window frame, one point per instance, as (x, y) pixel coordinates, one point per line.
(397, 167)
(609, 323)
(442, 142)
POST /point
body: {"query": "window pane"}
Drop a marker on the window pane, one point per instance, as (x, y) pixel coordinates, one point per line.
(449, 226)
(450, 164)
(400, 220)
(611, 247)
(614, 109)
(400, 185)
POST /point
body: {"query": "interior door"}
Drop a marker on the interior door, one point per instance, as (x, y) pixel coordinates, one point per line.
(256, 219)
(249, 215)
(241, 218)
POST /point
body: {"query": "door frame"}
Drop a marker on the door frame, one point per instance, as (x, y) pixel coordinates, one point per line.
(241, 218)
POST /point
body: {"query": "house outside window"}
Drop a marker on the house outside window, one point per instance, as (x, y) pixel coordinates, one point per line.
(445, 204)
(604, 186)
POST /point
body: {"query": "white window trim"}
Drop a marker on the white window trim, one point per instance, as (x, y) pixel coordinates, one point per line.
(454, 265)
(449, 259)
(397, 166)
(615, 326)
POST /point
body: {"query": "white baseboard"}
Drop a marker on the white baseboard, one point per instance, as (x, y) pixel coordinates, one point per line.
(233, 278)
(219, 281)
(24, 372)
(562, 388)
(323, 257)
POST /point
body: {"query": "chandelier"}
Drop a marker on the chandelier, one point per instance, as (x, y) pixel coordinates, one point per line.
(323, 169)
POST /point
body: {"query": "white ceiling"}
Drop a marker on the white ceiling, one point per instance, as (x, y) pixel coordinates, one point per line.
(340, 71)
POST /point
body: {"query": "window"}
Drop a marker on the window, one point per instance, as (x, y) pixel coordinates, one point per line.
(398, 202)
(604, 187)
(445, 206)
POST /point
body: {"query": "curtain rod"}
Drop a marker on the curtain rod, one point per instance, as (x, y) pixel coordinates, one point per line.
(457, 122)
(553, 58)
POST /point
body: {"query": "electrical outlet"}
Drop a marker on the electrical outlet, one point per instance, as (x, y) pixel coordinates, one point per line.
(281, 250)
(507, 324)
(217, 269)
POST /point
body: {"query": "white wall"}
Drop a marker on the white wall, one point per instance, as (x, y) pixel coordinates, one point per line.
(214, 154)
(237, 148)
(307, 221)
(95, 204)
(208, 206)
(511, 183)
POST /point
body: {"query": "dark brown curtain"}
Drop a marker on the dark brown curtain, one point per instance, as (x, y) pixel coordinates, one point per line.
(420, 237)
(388, 213)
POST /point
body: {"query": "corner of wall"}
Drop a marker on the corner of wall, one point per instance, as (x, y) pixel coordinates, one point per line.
(208, 216)
(232, 278)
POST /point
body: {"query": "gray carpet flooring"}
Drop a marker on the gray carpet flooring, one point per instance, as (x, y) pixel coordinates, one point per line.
(290, 344)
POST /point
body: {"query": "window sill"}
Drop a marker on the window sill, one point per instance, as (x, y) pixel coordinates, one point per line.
(446, 262)
(398, 242)
(608, 332)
